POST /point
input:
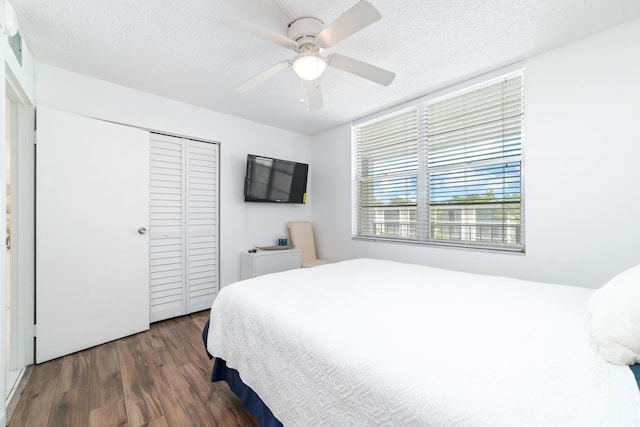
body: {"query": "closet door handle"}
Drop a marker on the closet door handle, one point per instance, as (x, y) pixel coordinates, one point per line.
(142, 230)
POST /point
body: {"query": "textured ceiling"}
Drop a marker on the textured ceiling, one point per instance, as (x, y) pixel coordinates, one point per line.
(179, 49)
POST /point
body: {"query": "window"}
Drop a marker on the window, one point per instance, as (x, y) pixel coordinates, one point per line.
(446, 171)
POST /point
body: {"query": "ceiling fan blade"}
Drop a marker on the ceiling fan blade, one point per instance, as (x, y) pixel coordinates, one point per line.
(254, 30)
(313, 94)
(350, 22)
(362, 69)
(269, 72)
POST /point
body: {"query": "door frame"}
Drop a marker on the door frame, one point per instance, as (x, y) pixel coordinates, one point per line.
(20, 120)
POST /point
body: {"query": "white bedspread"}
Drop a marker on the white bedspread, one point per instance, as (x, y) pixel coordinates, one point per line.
(378, 343)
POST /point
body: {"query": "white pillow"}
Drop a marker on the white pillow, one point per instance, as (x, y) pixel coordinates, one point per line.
(615, 318)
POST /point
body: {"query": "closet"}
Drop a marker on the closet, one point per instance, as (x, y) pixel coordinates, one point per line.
(183, 226)
(126, 230)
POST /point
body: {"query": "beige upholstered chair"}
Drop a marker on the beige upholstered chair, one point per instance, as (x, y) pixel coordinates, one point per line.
(302, 237)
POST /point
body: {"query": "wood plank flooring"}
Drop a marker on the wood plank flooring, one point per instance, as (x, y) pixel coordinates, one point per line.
(160, 377)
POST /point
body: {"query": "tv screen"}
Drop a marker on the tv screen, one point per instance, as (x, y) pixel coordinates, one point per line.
(275, 180)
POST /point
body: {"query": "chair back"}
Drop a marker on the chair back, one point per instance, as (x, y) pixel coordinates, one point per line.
(301, 234)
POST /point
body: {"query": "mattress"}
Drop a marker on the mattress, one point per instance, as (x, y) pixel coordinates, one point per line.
(370, 342)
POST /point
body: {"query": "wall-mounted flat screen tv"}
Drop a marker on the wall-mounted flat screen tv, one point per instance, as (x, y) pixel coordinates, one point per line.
(275, 180)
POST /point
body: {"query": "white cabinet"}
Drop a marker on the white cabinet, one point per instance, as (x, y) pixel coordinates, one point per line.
(265, 262)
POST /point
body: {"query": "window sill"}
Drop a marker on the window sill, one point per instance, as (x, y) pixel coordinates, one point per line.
(520, 250)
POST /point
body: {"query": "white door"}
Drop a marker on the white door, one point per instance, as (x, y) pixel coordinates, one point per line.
(92, 264)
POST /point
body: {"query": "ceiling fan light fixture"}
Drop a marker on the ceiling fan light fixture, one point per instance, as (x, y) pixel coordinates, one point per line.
(309, 65)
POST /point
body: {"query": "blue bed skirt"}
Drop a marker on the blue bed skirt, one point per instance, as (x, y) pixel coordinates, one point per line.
(636, 372)
(249, 400)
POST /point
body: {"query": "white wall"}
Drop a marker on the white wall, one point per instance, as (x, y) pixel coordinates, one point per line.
(243, 225)
(581, 173)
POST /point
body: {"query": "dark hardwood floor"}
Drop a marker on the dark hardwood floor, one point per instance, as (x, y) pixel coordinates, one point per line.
(160, 377)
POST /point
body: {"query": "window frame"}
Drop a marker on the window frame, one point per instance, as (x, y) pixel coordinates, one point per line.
(423, 203)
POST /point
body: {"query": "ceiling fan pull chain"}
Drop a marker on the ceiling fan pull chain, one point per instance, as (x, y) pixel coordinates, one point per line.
(301, 94)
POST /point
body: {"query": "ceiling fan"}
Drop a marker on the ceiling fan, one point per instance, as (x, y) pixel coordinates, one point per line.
(307, 37)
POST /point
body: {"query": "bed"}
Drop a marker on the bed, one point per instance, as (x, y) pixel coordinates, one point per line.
(370, 342)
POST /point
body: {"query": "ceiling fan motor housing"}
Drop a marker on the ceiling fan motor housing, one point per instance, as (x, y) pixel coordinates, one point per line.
(304, 31)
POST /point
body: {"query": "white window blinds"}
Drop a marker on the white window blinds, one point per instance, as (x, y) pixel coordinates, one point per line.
(447, 171)
(387, 167)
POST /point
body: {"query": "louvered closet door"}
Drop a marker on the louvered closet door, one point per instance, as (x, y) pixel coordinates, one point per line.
(202, 224)
(184, 226)
(166, 241)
